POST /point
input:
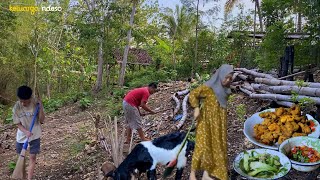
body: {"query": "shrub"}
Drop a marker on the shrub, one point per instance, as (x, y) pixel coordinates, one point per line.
(145, 76)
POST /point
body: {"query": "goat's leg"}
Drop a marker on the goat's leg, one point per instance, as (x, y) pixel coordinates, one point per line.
(179, 174)
(206, 176)
(192, 175)
(151, 174)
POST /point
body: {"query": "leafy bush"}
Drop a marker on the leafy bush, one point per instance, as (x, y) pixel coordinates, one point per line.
(114, 106)
(12, 166)
(241, 111)
(85, 103)
(9, 118)
(145, 76)
(60, 100)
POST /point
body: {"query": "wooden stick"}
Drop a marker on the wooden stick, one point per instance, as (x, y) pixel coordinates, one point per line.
(301, 72)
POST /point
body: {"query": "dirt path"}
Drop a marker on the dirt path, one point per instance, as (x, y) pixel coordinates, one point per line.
(66, 134)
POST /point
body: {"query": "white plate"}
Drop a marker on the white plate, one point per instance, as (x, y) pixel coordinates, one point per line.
(284, 161)
(256, 119)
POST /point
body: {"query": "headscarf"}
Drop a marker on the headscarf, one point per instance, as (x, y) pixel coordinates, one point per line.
(215, 82)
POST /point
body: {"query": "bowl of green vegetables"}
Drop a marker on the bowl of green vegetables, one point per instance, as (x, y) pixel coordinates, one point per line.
(262, 164)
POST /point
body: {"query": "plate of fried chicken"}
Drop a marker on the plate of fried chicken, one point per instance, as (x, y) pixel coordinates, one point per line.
(269, 128)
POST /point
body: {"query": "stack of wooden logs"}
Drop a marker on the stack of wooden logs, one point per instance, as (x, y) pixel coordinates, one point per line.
(264, 86)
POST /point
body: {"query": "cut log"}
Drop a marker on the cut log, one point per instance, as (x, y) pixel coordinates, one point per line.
(277, 97)
(276, 82)
(178, 104)
(184, 92)
(288, 89)
(242, 77)
(185, 113)
(256, 74)
(285, 103)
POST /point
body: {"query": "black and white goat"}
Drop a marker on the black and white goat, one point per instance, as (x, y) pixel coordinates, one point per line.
(146, 155)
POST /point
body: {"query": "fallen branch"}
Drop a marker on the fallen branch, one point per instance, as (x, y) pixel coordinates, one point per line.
(276, 82)
(185, 113)
(288, 89)
(256, 74)
(178, 104)
(184, 92)
(301, 72)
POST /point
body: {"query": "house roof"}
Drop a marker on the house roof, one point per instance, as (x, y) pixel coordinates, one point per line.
(135, 56)
(260, 35)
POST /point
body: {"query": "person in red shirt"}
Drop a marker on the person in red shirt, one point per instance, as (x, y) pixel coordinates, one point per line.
(132, 101)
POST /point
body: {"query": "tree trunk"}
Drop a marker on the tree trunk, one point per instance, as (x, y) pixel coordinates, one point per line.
(196, 50)
(276, 82)
(107, 74)
(299, 25)
(254, 26)
(277, 97)
(126, 50)
(48, 89)
(259, 14)
(288, 89)
(98, 85)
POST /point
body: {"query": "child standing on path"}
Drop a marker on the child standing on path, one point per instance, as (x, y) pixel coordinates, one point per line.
(23, 112)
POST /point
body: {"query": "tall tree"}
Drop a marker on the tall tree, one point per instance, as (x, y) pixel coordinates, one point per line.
(178, 25)
(126, 50)
(230, 4)
(99, 10)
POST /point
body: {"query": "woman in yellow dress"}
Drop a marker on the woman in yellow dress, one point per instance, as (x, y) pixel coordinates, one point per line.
(210, 154)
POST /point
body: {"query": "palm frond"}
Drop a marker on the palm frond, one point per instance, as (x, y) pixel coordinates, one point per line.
(229, 5)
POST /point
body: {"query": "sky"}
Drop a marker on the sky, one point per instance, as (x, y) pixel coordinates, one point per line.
(217, 21)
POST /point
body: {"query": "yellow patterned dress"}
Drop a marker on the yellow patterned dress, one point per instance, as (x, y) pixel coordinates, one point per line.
(210, 152)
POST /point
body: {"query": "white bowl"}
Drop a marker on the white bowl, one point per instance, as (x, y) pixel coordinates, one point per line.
(256, 119)
(284, 160)
(288, 144)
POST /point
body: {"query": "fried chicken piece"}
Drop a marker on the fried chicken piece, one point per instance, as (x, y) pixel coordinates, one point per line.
(297, 118)
(267, 121)
(281, 139)
(298, 134)
(295, 126)
(274, 127)
(287, 129)
(295, 110)
(273, 116)
(286, 118)
(305, 128)
(265, 114)
(267, 138)
(259, 130)
(279, 111)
